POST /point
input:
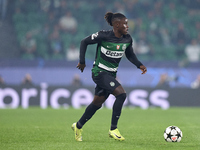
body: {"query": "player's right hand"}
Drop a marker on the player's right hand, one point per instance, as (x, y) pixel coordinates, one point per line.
(81, 66)
(143, 69)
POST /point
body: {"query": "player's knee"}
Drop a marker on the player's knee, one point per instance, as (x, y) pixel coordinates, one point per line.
(98, 104)
(98, 100)
(122, 97)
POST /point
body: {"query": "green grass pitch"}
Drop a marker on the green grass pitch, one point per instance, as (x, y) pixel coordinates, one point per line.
(50, 129)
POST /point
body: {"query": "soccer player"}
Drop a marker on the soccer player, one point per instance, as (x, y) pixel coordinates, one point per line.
(111, 45)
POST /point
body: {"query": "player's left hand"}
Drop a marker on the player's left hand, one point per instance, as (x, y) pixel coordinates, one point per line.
(143, 69)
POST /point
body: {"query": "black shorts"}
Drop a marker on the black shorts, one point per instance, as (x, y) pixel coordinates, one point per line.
(105, 84)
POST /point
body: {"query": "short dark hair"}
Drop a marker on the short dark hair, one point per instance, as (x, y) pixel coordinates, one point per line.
(110, 17)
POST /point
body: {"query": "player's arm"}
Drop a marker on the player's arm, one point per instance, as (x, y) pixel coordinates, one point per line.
(132, 58)
(92, 39)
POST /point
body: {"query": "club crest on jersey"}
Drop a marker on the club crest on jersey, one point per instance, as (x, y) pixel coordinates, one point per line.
(124, 47)
(118, 46)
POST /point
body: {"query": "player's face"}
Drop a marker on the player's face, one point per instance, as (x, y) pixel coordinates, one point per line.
(123, 26)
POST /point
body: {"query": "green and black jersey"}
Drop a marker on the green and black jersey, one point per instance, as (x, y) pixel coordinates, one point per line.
(109, 52)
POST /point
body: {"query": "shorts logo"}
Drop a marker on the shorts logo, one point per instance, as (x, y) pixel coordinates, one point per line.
(112, 84)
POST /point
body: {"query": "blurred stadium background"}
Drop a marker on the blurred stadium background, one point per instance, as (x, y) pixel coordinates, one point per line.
(40, 39)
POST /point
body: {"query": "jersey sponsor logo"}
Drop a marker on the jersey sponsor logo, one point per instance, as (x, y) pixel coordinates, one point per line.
(112, 54)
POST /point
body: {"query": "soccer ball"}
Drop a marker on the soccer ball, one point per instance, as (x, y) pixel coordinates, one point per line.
(173, 134)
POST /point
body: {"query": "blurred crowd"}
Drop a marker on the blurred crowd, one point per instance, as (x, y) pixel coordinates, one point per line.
(161, 29)
(165, 81)
(28, 82)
